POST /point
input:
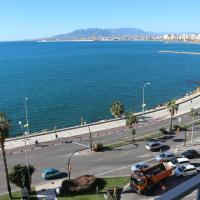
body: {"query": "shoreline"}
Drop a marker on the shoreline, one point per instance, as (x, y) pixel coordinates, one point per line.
(156, 114)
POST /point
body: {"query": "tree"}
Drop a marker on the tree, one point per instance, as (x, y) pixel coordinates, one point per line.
(172, 107)
(117, 109)
(130, 122)
(19, 176)
(184, 128)
(193, 114)
(4, 133)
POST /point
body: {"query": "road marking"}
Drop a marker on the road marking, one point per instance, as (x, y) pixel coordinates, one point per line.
(98, 160)
(83, 145)
(144, 156)
(112, 170)
(120, 168)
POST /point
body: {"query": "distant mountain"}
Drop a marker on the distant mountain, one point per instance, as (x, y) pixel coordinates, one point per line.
(97, 32)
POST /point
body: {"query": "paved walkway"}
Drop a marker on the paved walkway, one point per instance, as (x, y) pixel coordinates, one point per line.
(151, 116)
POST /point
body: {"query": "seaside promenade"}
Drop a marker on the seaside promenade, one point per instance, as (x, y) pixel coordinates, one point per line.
(151, 116)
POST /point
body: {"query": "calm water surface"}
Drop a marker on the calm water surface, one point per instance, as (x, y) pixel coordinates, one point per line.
(69, 80)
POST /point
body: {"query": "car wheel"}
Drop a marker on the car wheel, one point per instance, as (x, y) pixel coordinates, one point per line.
(194, 174)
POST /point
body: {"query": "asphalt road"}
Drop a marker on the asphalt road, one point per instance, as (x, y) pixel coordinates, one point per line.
(110, 163)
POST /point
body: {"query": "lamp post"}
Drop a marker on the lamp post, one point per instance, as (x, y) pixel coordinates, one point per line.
(90, 137)
(27, 163)
(143, 103)
(27, 124)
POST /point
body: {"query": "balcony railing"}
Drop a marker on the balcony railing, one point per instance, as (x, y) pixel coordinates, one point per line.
(183, 190)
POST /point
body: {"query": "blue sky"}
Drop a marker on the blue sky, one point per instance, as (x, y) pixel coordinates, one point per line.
(24, 19)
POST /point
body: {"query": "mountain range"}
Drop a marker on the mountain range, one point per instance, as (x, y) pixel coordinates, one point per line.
(97, 32)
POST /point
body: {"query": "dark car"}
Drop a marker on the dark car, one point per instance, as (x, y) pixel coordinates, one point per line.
(191, 153)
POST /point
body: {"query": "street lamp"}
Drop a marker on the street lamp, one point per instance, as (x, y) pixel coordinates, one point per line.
(27, 163)
(90, 137)
(143, 103)
(27, 124)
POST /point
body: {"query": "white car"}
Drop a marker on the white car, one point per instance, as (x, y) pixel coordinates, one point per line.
(178, 161)
(139, 166)
(185, 170)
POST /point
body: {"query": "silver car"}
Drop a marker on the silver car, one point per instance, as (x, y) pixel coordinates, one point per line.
(153, 145)
(165, 156)
(138, 167)
(185, 170)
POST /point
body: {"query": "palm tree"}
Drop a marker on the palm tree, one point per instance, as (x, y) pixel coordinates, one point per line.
(130, 122)
(193, 113)
(117, 109)
(4, 133)
(172, 107)
(20, 176)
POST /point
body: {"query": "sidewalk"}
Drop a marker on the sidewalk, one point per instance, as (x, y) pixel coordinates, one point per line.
(154, 115)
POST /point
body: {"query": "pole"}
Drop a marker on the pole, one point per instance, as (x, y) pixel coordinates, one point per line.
(27, 124)
(68, 163)
(90, 137)
(143, 103)
(26, 154)
(192, 130)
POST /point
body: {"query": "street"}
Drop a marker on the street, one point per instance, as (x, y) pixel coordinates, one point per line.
(116, 162)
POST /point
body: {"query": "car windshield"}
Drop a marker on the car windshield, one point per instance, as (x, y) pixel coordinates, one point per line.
(162, 155)
(174, 161)
(157, 144)
(184, 162)
(138, 181)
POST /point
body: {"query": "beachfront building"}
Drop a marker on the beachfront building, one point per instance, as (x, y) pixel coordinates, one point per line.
(182, 37)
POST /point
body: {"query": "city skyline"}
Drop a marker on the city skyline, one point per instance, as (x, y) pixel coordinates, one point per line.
(36, 19)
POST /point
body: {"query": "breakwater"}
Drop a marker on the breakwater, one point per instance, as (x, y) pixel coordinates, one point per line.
(181, 52)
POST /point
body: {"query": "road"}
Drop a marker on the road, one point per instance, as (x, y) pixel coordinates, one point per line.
(110, 163)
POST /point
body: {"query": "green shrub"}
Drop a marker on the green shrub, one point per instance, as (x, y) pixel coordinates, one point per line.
(163, 130)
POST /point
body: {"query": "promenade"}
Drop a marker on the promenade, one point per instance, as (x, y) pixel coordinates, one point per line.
(151, 116)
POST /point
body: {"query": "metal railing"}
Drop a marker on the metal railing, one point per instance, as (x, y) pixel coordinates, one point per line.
(183, 190)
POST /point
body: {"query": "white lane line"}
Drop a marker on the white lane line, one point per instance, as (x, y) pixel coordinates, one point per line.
(98, 160)
(83, 145)
(113, 170)
(120, 168)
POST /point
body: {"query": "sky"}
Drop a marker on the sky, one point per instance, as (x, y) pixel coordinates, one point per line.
(30, 19)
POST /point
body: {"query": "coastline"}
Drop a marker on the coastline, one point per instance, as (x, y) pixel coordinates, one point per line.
(155, 115)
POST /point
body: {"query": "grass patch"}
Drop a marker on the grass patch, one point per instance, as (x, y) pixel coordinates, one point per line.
(103, 184)
(18, 195)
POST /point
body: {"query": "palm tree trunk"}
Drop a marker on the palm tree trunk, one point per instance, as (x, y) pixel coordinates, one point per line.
(185, 138)
(170, 123)
(6, 168)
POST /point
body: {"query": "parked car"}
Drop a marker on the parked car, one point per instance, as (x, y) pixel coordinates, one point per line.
(191, 153)
(138, 167)
(153, 140)
(151, 146)
(165, 156)
(185, 170)
(178, 162)
(50, 173)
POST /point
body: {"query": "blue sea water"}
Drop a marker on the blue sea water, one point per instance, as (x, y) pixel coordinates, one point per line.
(65, 81)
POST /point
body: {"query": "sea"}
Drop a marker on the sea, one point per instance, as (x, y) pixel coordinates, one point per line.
(67, 81)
